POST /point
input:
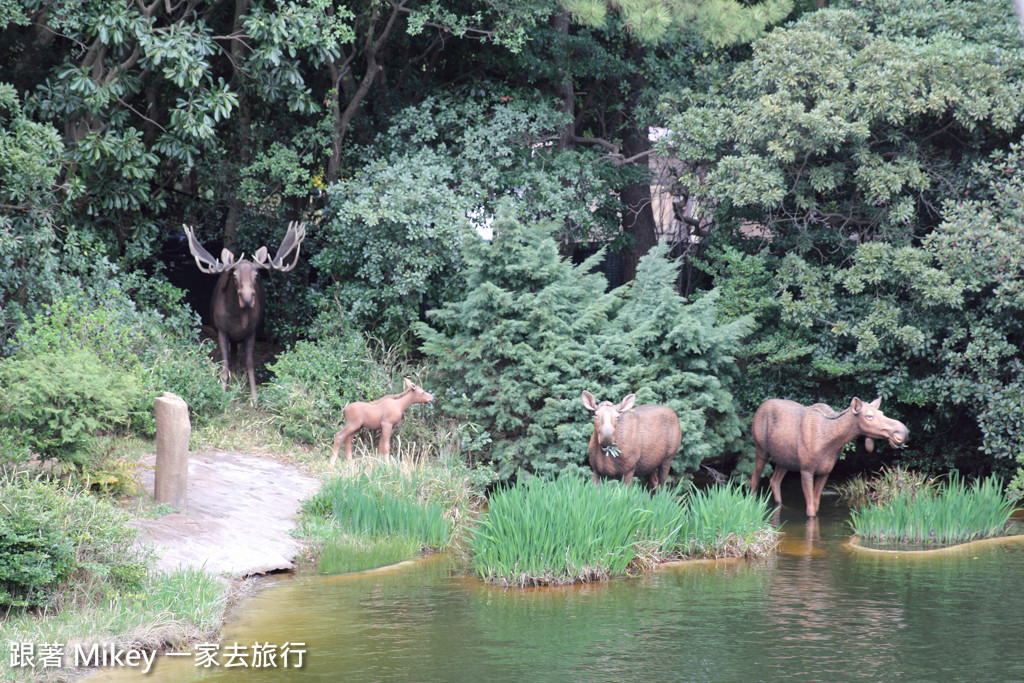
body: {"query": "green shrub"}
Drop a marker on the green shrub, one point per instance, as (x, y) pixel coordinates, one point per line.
(58, 547)
(58, 400)
(950, 513)
(312, 382)
(160, 350)
(14, 454)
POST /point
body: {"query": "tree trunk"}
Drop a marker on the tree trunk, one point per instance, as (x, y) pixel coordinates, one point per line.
(637, 217)
(244, 118)
(564, 87)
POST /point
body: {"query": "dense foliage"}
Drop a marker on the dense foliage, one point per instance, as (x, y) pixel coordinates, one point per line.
(52, 539)
(534, 331)
(314, 380)
(865, 163)
(850, 181)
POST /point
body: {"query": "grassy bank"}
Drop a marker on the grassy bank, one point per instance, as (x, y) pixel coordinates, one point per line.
(72, 574)
(943, 514)
(168, 612)
(568, 530)
(377, 512)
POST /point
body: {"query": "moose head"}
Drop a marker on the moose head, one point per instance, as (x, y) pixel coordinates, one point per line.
(237, 304)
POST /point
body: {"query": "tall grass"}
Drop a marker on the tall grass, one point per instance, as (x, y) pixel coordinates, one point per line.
(170, 610)
(953, 512)
(568, 530)
(379, 512)
(886, 485)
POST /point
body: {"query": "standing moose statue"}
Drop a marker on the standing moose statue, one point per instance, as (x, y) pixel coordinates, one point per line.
(384, 414)
(632, 441)
(238, 299)
(809, 439)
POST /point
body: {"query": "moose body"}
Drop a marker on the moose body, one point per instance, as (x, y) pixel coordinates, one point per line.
(238, 300)
(809, 439)
(384, 414)
(632, 441)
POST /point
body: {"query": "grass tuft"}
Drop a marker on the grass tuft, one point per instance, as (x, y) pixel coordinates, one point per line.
(568, 530)
(953, 512)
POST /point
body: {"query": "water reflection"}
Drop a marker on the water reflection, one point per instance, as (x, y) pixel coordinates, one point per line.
(817, 611)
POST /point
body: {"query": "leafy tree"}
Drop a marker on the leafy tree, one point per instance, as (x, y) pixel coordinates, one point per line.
(853, 124)
(533, 331)
(392, 234)
(624, 52)
(832, 155)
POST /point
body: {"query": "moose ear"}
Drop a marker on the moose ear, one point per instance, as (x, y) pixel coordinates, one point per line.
(877, 402)
(408, 384)
(260, 257)
(227, 258)
(588, 401)
(627, 403)
(856, 404)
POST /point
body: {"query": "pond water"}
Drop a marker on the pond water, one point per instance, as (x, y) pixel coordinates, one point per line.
(817, 611)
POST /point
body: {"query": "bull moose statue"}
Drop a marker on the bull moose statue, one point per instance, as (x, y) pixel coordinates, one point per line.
(632, 441)
(237, 304)
(810, 438)
(384, 414)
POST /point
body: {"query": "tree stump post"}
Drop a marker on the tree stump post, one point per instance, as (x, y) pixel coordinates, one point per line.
(173, 430)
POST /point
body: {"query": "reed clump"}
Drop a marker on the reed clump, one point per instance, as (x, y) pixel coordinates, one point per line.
(380, 512)
(568, 530)
(952, 512)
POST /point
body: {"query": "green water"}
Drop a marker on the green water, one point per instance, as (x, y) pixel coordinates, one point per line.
(818, 611)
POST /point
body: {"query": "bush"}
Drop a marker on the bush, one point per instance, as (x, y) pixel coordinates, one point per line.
(57, 401)
(159, 349)
(312, 382)
(58, 547)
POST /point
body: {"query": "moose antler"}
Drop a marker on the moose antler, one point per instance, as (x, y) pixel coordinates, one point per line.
(206, 262)
(288, 251)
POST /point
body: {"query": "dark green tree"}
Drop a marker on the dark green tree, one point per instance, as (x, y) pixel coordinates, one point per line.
(533, 331)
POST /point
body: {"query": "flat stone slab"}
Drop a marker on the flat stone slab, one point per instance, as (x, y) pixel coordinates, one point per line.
(240, 509)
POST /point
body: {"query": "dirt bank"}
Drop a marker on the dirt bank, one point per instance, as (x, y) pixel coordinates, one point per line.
(240, 510)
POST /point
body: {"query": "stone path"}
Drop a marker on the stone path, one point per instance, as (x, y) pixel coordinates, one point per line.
(239, 512)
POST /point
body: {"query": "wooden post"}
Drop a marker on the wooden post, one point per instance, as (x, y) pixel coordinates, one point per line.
(173, 430)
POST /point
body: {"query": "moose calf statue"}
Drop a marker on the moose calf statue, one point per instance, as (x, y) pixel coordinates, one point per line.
(238, 300)
(384, 414)
(632, 441)
(810, 438)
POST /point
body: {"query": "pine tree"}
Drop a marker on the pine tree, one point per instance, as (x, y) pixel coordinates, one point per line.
(535, 330)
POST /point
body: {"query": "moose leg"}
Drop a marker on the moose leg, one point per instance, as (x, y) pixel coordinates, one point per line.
(819, 486)
(344, 436)
(807, 481)
(761, 459)
(384, 447)
(627, 477)
(662, 475)
(776, 483)
(225, 353)
(250, 343)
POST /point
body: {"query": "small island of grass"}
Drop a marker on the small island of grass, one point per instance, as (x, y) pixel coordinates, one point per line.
(937, 514)
(567, 530)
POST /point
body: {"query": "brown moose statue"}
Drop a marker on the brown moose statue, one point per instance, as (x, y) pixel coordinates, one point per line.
(632, 441)
(809, 439)
(237, 304)
(384, 414)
